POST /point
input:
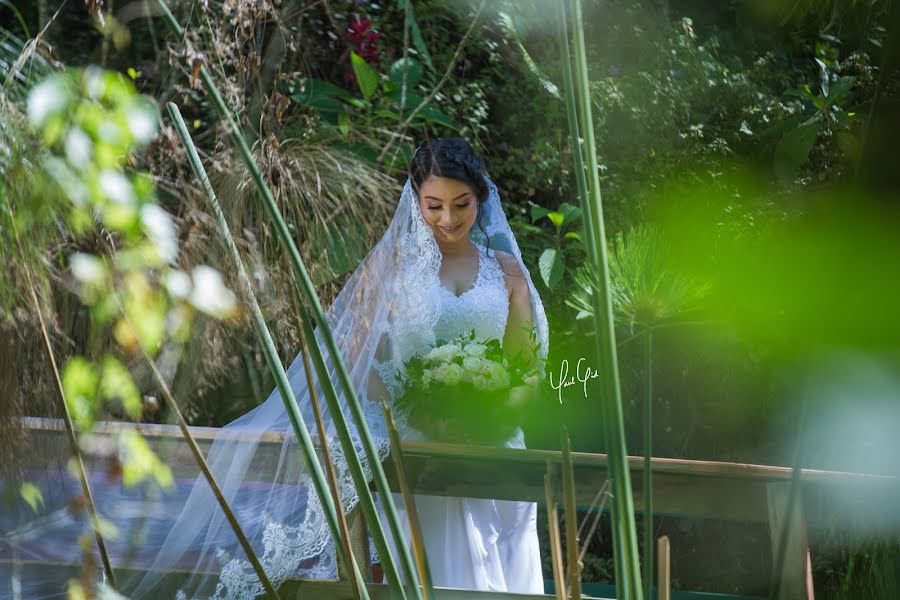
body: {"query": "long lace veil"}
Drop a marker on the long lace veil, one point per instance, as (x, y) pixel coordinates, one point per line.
(377, 324)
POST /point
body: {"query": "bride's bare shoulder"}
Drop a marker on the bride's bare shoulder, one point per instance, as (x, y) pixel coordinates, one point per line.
(515, 279)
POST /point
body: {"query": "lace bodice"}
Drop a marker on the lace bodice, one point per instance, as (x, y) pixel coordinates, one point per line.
(484, 307)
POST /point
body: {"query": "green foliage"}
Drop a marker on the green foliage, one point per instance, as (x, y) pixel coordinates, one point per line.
(645, 290)
(379, 105)
(90, 122)
(556, 259)
(32, 495)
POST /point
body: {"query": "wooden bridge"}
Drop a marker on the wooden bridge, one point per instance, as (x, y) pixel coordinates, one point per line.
(683, 488)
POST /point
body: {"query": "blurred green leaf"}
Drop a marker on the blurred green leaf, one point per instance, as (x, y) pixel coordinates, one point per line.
(139, 462)
(416, 33)
(570, 213)
(116, 383)
(840, 89)
(794, 148)
(538, 212)
(320, 95)
(413, 74)
(80, 381)
(32, 495)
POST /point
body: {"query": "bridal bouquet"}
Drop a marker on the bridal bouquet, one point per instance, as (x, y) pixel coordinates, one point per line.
(460, 390)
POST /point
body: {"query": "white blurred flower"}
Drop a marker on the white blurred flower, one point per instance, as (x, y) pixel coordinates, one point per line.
(116, 187)
(94, 83)
(78, 147)
(142, 121)
(426, 377)
(160, 228)
(178, 283)
(46, 99)
(482, 383)
(209, 294)
(87, 268)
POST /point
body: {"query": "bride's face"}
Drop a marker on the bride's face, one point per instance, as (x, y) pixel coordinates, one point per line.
(449, 206)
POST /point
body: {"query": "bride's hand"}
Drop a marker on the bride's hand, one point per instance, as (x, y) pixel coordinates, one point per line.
(521, 396)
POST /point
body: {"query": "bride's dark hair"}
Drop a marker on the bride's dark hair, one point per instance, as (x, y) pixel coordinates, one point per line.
(454, 158)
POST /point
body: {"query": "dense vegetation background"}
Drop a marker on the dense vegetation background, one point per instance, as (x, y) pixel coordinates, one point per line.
(743, 112)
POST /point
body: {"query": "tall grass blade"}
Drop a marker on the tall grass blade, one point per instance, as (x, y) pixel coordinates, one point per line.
(568, 477)
(559, 580)
(415, 526)
(628, 576)
(358, 586)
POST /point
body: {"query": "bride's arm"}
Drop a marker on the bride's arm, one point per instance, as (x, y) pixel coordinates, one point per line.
(519, 325)
(517, 336)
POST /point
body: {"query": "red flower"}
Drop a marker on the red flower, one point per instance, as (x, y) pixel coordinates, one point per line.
(364, 39)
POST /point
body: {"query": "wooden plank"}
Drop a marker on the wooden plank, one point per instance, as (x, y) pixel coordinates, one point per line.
(796, 577)
(294, 589)
(664, 568)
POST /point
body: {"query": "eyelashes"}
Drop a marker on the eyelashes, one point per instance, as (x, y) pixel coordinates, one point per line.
(457, 206)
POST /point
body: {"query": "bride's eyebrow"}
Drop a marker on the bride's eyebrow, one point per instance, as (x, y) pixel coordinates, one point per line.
(439, 200)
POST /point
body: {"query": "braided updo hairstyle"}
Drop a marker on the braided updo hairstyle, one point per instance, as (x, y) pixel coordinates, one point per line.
(454, 158)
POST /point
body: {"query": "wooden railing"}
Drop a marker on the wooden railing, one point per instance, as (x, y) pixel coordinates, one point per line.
(684, 488)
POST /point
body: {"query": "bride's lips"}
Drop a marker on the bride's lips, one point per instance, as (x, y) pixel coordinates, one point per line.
(449, 229)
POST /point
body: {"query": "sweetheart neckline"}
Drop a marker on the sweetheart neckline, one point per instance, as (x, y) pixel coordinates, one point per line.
(478, 277)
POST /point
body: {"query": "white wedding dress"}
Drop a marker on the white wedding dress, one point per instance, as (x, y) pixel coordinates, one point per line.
(474, 543)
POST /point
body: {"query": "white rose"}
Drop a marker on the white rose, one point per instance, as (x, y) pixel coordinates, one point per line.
(426, 377)
(453, 350)
(487, 368)
(475, 349)
(441, 372)
(472, 363)
(481, 383)
(500, 376)
(435, 354)
(454, 373)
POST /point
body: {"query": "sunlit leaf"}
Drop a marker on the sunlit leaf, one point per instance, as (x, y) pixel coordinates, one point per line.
(366, 77)
(556, 218)
(32, 495)
(552, 266)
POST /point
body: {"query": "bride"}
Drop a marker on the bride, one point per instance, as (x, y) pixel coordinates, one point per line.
(447, 264)
(470, 543)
